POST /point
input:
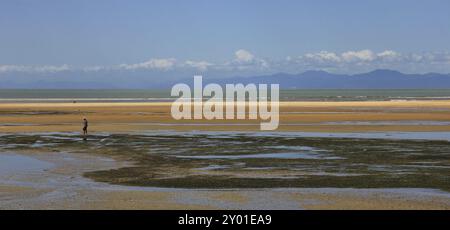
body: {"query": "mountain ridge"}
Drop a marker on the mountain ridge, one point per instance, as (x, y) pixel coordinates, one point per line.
(313, 79)
(376, 79)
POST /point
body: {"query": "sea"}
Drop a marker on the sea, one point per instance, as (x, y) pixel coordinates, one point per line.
(140, 95)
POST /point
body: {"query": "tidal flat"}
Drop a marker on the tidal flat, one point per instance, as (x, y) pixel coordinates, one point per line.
(325, 155)
(240, 160)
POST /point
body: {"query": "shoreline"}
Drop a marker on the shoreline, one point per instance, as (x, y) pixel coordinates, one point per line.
(413, 102)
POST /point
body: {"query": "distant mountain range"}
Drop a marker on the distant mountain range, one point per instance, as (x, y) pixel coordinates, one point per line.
(377, 79)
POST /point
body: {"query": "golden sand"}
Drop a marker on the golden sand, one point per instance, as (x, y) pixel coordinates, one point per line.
(294, 116)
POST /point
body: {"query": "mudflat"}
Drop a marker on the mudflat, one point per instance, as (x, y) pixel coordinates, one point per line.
(62, 186)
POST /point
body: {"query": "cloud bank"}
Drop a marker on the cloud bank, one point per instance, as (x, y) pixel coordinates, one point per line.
(245, 61)
(33, 69)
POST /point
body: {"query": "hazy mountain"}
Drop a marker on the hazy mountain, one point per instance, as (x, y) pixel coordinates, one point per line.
(377, 79)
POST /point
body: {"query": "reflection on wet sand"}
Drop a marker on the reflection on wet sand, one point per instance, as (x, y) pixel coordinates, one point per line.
(253, 160)
(154, 170)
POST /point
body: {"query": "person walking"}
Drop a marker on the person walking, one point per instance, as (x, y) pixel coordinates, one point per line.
(85, 126)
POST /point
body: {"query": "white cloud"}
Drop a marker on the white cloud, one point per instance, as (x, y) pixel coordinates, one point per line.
(362, 55)
(200, 65)
(156, 64)
(431, 58)
(326, 58)
(323, 56)
(388, 53)
(244, 56)
(389, 56)
(415, 57)
(94, 68)
(12, 68)
(366, 60)
(244, 62)
(33, 69)
(49, 68)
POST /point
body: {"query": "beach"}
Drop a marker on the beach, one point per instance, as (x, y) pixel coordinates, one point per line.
(370, 116)
(325, 155)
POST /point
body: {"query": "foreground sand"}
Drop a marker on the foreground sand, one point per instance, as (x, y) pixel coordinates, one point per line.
(294, 116)
(63, 187)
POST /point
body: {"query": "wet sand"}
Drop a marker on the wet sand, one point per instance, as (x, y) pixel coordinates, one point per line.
(58, 182)
(61, 186)
(294, 116)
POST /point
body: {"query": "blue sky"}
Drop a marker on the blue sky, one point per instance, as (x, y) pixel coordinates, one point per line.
(224, 38)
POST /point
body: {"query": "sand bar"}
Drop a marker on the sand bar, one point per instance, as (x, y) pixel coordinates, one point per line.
(294, 116)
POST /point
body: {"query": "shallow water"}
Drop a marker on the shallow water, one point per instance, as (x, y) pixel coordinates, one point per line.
(274, 159)
(411, 122)
(11, 164)
(445, 136)
(266, 155)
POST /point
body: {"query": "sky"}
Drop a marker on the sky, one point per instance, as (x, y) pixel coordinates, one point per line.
(222, 38)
